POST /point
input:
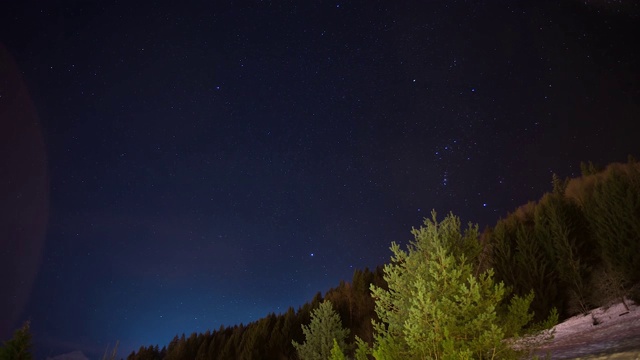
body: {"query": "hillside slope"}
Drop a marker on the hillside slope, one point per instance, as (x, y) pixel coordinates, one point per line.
(604, 333)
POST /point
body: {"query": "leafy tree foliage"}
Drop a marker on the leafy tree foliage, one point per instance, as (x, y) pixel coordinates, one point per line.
(519, 260)
(362, 349)
(546, 246)
(589, 168)
(561, 229)
(321, 334)
(613, 211)
(18, 347)
(270, 337)
(576, 248)
(435, 307)
(336, 351)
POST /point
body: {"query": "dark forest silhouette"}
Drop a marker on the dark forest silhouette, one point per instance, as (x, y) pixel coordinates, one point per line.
(577, 248)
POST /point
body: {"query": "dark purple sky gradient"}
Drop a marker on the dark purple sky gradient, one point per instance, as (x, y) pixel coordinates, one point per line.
(208, 164)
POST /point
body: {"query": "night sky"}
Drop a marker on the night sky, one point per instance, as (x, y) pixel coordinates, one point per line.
(171, 166)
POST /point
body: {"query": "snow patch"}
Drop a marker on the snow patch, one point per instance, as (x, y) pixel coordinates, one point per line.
(602, 330)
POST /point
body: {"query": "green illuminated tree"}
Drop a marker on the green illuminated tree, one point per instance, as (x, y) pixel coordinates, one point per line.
(320, 334)
(436, 307)
(336, 352)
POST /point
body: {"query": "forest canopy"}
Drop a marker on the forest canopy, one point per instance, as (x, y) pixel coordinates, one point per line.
(453, 291)
(573, 250)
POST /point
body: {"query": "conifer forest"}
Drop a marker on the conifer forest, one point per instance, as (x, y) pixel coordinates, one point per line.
(454, 290)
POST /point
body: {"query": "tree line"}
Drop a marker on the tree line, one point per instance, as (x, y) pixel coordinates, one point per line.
(579, 246)
(454, 292)
(271, 337)
(575, 249)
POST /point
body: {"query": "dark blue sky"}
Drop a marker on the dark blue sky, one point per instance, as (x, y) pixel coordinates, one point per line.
(175, 166)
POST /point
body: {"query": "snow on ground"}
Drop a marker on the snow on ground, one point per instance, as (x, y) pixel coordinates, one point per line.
(602, 331)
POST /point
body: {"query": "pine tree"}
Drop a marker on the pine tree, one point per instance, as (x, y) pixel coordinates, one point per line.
(19, 347)
(362, 350)
(613, 212)
(320, 334)
(436, 308)
(203, 348)
(520, 261)
(561, 229)
(336, 352)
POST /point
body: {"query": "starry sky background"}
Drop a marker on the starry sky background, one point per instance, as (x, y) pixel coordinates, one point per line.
(169, 167)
